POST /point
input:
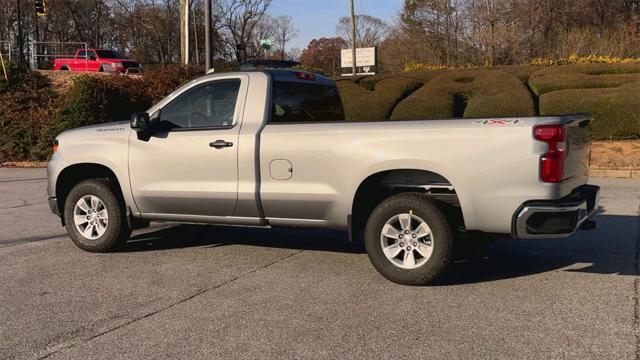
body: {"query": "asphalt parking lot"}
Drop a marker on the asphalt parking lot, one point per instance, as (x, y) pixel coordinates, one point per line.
(199, 292)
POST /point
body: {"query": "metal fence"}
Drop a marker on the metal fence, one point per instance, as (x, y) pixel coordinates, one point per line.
(44, 53)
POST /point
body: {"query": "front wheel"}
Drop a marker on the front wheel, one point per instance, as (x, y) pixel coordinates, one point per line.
(408, 239)
(95, 216)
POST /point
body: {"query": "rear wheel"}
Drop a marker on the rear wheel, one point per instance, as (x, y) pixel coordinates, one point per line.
(95, 216)
(408, 239)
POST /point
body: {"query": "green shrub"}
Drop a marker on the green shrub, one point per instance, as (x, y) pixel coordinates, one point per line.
(161, 82)
(96, 99)
(439, 98)
(26, 117)
(377, 104)
(612, 96)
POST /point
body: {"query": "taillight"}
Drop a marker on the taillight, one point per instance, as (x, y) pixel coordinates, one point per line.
(552, 162)
(55, 146)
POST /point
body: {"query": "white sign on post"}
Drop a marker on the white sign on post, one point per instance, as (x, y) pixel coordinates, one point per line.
(365, 60)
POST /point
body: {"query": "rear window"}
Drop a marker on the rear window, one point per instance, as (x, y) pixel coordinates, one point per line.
(304, 102)
(110, 54)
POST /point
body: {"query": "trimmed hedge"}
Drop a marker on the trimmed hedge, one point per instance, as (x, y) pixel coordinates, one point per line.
(496, 93)
(611, 92)
(362, 104)
(468, 93)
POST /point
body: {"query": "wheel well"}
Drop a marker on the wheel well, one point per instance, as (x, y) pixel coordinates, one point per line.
(72, 175)
(377, 187)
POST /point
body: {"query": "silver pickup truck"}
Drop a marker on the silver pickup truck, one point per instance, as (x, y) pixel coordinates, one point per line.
(271, 148)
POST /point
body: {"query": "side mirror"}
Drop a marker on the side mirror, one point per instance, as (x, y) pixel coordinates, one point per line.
(140, 121)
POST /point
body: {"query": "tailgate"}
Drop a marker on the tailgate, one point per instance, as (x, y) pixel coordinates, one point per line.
(578, 151)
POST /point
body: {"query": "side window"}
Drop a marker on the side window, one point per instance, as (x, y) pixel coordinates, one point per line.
(208, 105)
(305, 102)
(92, 55)
(82, 53)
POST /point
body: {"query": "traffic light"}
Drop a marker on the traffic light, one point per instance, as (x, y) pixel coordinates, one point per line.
(40, 8)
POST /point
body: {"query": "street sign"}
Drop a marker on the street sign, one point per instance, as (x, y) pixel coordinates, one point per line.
(365, 61)
(266, 43)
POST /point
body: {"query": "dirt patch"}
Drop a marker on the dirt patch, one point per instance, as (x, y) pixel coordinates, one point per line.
(24, 164)
(623, 154)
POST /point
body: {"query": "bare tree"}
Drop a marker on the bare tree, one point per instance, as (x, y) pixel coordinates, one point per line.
(370, 30)
(240, 20)
(294, 54)
(285, 31)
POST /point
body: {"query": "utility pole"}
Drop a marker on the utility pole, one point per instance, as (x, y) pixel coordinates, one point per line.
(184, 31)
(195, 35)
(207, 35)
(20, 38)
(353, 39)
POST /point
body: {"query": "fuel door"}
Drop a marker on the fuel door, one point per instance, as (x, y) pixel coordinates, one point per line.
(280, 169)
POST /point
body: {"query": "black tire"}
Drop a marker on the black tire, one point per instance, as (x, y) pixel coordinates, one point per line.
(64, 68)
(101, 69)
(442, 238)
(117, 229)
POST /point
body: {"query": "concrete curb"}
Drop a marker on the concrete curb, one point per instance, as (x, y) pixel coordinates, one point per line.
(615, 173)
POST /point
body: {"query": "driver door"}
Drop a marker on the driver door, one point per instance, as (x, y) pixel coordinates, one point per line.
(189, 165)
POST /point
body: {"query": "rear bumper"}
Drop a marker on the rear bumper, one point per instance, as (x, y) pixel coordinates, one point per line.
(556, 219)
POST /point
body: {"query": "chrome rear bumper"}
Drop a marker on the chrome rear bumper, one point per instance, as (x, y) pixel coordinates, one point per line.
(557, 219)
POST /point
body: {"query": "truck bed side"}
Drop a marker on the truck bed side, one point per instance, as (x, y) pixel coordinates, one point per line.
(492, 165)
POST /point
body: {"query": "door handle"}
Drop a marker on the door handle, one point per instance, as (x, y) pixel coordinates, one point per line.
(219, 144)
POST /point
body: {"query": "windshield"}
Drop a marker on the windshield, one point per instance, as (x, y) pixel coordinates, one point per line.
(110, 54)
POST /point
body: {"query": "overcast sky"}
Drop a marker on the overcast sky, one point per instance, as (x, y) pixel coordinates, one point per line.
(318, 18)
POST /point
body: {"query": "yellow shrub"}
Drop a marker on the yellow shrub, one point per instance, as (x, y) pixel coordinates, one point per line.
(590, 59)
(416, 66)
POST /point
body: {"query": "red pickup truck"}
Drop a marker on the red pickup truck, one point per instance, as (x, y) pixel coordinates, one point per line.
(101, 60)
